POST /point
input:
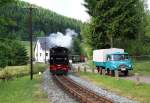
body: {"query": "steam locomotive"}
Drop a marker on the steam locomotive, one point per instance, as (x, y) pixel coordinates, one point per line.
(59, 60)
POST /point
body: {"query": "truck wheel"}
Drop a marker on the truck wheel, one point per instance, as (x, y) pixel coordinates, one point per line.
(100, 70)
(126, 73)
(108, 72)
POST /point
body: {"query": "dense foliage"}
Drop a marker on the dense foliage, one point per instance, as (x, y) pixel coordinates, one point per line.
(44, 21)
(116, 23)
(12, 53)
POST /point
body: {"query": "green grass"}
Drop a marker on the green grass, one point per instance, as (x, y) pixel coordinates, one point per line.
(19, 71)
(141, 67)
(22, 90)
(122, 87)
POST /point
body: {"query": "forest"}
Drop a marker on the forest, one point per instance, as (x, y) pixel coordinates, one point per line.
(119, 24)
(14, 28)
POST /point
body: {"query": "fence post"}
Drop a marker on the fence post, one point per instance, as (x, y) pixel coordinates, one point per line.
(103, 71)
(117, 74)
(137, 78)
(85, 69)
(78, 68)
(92, 70)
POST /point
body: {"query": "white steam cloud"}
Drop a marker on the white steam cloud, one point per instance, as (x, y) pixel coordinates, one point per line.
(63, 40)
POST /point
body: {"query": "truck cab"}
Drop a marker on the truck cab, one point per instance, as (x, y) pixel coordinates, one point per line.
(118, 61)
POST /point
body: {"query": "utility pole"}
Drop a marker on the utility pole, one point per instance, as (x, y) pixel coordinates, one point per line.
(30, 36)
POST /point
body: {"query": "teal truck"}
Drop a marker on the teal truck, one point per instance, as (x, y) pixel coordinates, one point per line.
(111, 60)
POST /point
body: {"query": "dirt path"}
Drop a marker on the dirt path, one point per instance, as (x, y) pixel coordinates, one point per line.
(143, 79)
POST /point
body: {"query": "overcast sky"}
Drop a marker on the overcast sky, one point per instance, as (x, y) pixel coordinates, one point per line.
(69, 8)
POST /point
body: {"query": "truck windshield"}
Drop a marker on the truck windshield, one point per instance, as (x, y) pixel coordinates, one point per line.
(118, 57)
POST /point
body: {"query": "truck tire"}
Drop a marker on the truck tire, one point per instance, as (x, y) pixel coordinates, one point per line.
(108, 72)
(100, 70)
(126, 73)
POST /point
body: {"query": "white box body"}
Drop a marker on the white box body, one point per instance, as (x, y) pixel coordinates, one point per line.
(100, 55)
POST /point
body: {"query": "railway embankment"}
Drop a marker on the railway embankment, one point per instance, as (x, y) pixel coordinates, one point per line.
(57, 94)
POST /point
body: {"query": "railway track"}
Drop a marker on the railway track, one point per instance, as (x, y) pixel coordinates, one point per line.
(83, 94)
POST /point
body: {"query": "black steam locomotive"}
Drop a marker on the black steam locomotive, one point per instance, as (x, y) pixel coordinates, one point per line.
(59, 60)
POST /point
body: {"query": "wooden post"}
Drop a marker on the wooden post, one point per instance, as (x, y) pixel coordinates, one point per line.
(78, 68)
(92, 70)
(137, 78)
(103, 71)
(30, 37)
(85, 69)
(117, 74)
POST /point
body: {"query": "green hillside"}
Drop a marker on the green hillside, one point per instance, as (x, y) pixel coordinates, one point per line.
(15, 22)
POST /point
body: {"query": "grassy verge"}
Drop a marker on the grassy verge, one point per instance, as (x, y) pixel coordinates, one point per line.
(122, 87)
(22, 90)
(141, 67)
(19, 71)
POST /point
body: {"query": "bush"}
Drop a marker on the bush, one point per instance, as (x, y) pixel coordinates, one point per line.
(6, 75)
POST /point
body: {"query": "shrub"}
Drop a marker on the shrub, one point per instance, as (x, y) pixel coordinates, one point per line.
(6, 75)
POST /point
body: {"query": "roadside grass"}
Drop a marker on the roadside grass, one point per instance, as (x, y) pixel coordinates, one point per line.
(141, 67)
(130, 89)
(22, 90)
(19, 71)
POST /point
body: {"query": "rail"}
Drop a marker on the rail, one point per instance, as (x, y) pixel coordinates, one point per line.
(83, 94)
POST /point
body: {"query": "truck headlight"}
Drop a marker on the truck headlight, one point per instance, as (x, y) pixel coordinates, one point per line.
(130, 66)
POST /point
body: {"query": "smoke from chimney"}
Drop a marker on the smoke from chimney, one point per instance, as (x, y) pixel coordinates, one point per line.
(63, 40)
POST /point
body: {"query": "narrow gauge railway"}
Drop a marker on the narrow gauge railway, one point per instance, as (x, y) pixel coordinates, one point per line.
(83, 94)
